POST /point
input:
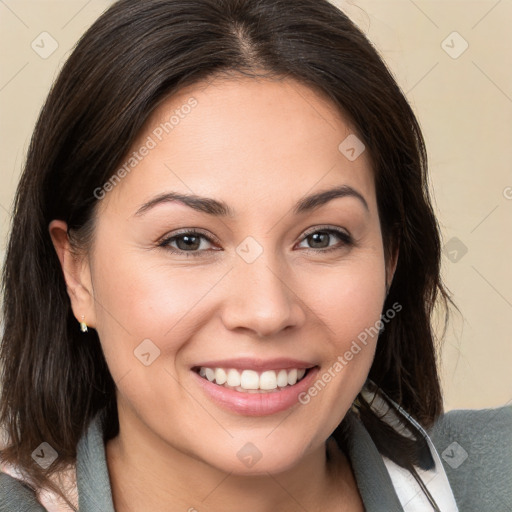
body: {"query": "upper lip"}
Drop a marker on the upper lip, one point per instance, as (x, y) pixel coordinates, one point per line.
(249, 363)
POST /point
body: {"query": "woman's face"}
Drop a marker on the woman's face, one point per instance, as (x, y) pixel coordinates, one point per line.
(267, 286)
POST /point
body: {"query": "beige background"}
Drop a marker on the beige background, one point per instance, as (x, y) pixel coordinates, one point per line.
(464, 105)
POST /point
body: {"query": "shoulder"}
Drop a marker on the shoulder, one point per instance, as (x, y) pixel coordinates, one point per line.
(475, 447)
(15, 496)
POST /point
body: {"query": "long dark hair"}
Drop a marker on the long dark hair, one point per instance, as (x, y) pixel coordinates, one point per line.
(139, 52)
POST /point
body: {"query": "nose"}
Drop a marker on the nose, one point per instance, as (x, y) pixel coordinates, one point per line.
(263, 298)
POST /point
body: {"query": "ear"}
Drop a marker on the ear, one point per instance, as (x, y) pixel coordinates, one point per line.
(76, 272)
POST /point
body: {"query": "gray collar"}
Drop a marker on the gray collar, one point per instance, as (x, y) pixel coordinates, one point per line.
(92, 478)
(372, 477)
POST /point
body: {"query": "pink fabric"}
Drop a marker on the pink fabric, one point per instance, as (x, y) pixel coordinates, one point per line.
(50, 501)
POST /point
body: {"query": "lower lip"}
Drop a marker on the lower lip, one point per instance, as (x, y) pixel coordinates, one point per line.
(257, 404)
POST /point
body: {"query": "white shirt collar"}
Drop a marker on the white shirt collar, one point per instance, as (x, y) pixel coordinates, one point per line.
(409, 492)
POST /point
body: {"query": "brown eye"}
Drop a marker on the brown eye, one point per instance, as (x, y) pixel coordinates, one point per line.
(319, 240)
(187, 242)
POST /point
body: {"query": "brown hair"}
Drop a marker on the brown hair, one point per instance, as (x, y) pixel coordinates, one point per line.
(139, 52)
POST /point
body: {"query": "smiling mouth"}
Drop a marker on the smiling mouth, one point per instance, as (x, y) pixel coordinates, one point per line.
(251, 381)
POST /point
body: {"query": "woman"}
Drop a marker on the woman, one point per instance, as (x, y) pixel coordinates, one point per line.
(288, 362)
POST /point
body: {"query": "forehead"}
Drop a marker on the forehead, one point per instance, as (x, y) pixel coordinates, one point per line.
(243, 141)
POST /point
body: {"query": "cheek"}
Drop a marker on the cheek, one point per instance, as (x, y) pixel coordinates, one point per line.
(360, 302)
(138, 301)
(349, 299)
(348, 304)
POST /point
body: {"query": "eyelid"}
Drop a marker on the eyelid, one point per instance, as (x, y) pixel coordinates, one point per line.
(188, 231)
(327, 227)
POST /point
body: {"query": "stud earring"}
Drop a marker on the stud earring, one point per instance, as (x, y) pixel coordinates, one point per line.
(83, 325)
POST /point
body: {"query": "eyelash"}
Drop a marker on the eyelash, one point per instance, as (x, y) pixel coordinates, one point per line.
(346, 239)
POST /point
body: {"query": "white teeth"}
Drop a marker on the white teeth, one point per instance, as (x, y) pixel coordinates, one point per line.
(233, 378)
(251, 381)
(292, 377)
(268, 380)
(282, 378)
(220, 376)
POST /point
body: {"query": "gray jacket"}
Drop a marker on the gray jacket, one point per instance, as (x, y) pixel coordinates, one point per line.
(475, 447)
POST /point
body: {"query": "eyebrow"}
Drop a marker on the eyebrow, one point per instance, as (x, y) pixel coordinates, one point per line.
(221, 209)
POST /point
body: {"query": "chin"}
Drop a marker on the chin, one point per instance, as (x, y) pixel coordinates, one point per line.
(254, 458)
